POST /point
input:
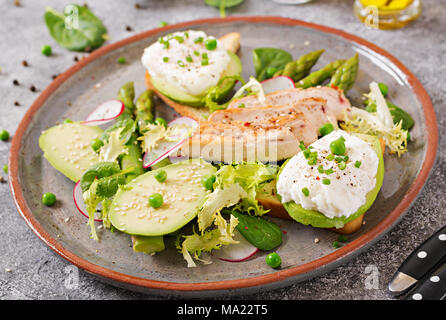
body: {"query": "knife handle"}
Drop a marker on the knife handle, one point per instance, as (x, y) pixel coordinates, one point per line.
(433, 288)
(426, 256)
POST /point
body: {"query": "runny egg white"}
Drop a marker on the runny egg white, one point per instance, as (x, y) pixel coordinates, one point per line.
(345, 190)
(180, 61)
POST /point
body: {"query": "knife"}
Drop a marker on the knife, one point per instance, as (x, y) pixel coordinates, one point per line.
(423, 259)
(432, 288)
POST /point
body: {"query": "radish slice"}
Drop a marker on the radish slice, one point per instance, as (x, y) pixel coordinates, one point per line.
(105, 113)
(277, 83)
(236, 252)
(79, 201)
(166, 148)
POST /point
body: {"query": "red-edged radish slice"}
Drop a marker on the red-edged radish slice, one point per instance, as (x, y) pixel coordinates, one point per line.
(166, 148)
(277, 83)
(105, 113)
(236, 252)
(79, 201)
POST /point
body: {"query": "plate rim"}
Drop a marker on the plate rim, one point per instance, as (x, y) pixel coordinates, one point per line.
(269, 279)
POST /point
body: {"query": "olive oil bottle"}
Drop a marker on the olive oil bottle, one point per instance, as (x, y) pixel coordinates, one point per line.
(387, 14)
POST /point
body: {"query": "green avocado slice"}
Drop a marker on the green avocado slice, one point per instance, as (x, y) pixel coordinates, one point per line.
(67, 147)
(183, 195)
(178, 95)
(319, 220)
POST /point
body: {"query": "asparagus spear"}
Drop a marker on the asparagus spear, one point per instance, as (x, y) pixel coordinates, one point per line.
(133, 157)
(144, 107)
(318, 77)
(345, 75)
(300, 68)
(127, 95)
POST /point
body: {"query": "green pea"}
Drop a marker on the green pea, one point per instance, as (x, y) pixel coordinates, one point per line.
(4, 135)
(326, 129)
(161, 121)
(160, 175)
(46, 50)
(211, 44)
(270, 72)
(383, 88)
(156, 200)
(208, 181)
(273, 260)
(338, 146)
(96, 144)
(48, 199)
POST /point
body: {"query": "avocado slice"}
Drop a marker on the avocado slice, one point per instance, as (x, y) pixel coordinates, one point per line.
(183, 195)
(67, 148)
(319, 220)
(178, 95)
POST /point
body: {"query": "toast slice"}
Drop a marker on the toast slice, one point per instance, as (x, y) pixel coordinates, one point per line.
(232, 43)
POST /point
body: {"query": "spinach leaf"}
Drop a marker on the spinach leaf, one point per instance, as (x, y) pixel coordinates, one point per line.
(99, 171)
(397, 113)
(261, 233)
(76, 29)
(267, 58)
(128, 128)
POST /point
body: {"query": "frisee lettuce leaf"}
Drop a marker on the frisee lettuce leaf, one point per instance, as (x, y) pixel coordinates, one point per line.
(194, 245)
(379, 123)
(113, 147)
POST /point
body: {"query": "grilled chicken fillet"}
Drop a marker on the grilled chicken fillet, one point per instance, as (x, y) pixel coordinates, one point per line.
(267, 140)
(336, 101)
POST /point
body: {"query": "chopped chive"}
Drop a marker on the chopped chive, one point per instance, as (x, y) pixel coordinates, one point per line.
(179, 39)
(211, 44)
(199, 40)
(180, 63)
(306, 192)
(357, 164)
(342, 239)
(189, 59)
(205, 56)
(166, 44)
(339, 159)
(163, 23)
(313, 154)
(312, 161)
(330, 157)
(336, 245)
(204, 62)
(166, 59)
(121, 60)
(5, 168)
(342, 165)
(302, 146)
(306, 153)
(241, 105)
(196, 53)
(326, 181)
(320, 169)
(346, 158)
(186, 34)
(329, 171)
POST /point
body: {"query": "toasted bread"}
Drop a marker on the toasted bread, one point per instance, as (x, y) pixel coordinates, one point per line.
(232, 43)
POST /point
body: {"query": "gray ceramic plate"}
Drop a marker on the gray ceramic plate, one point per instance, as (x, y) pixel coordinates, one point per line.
(98, 78)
